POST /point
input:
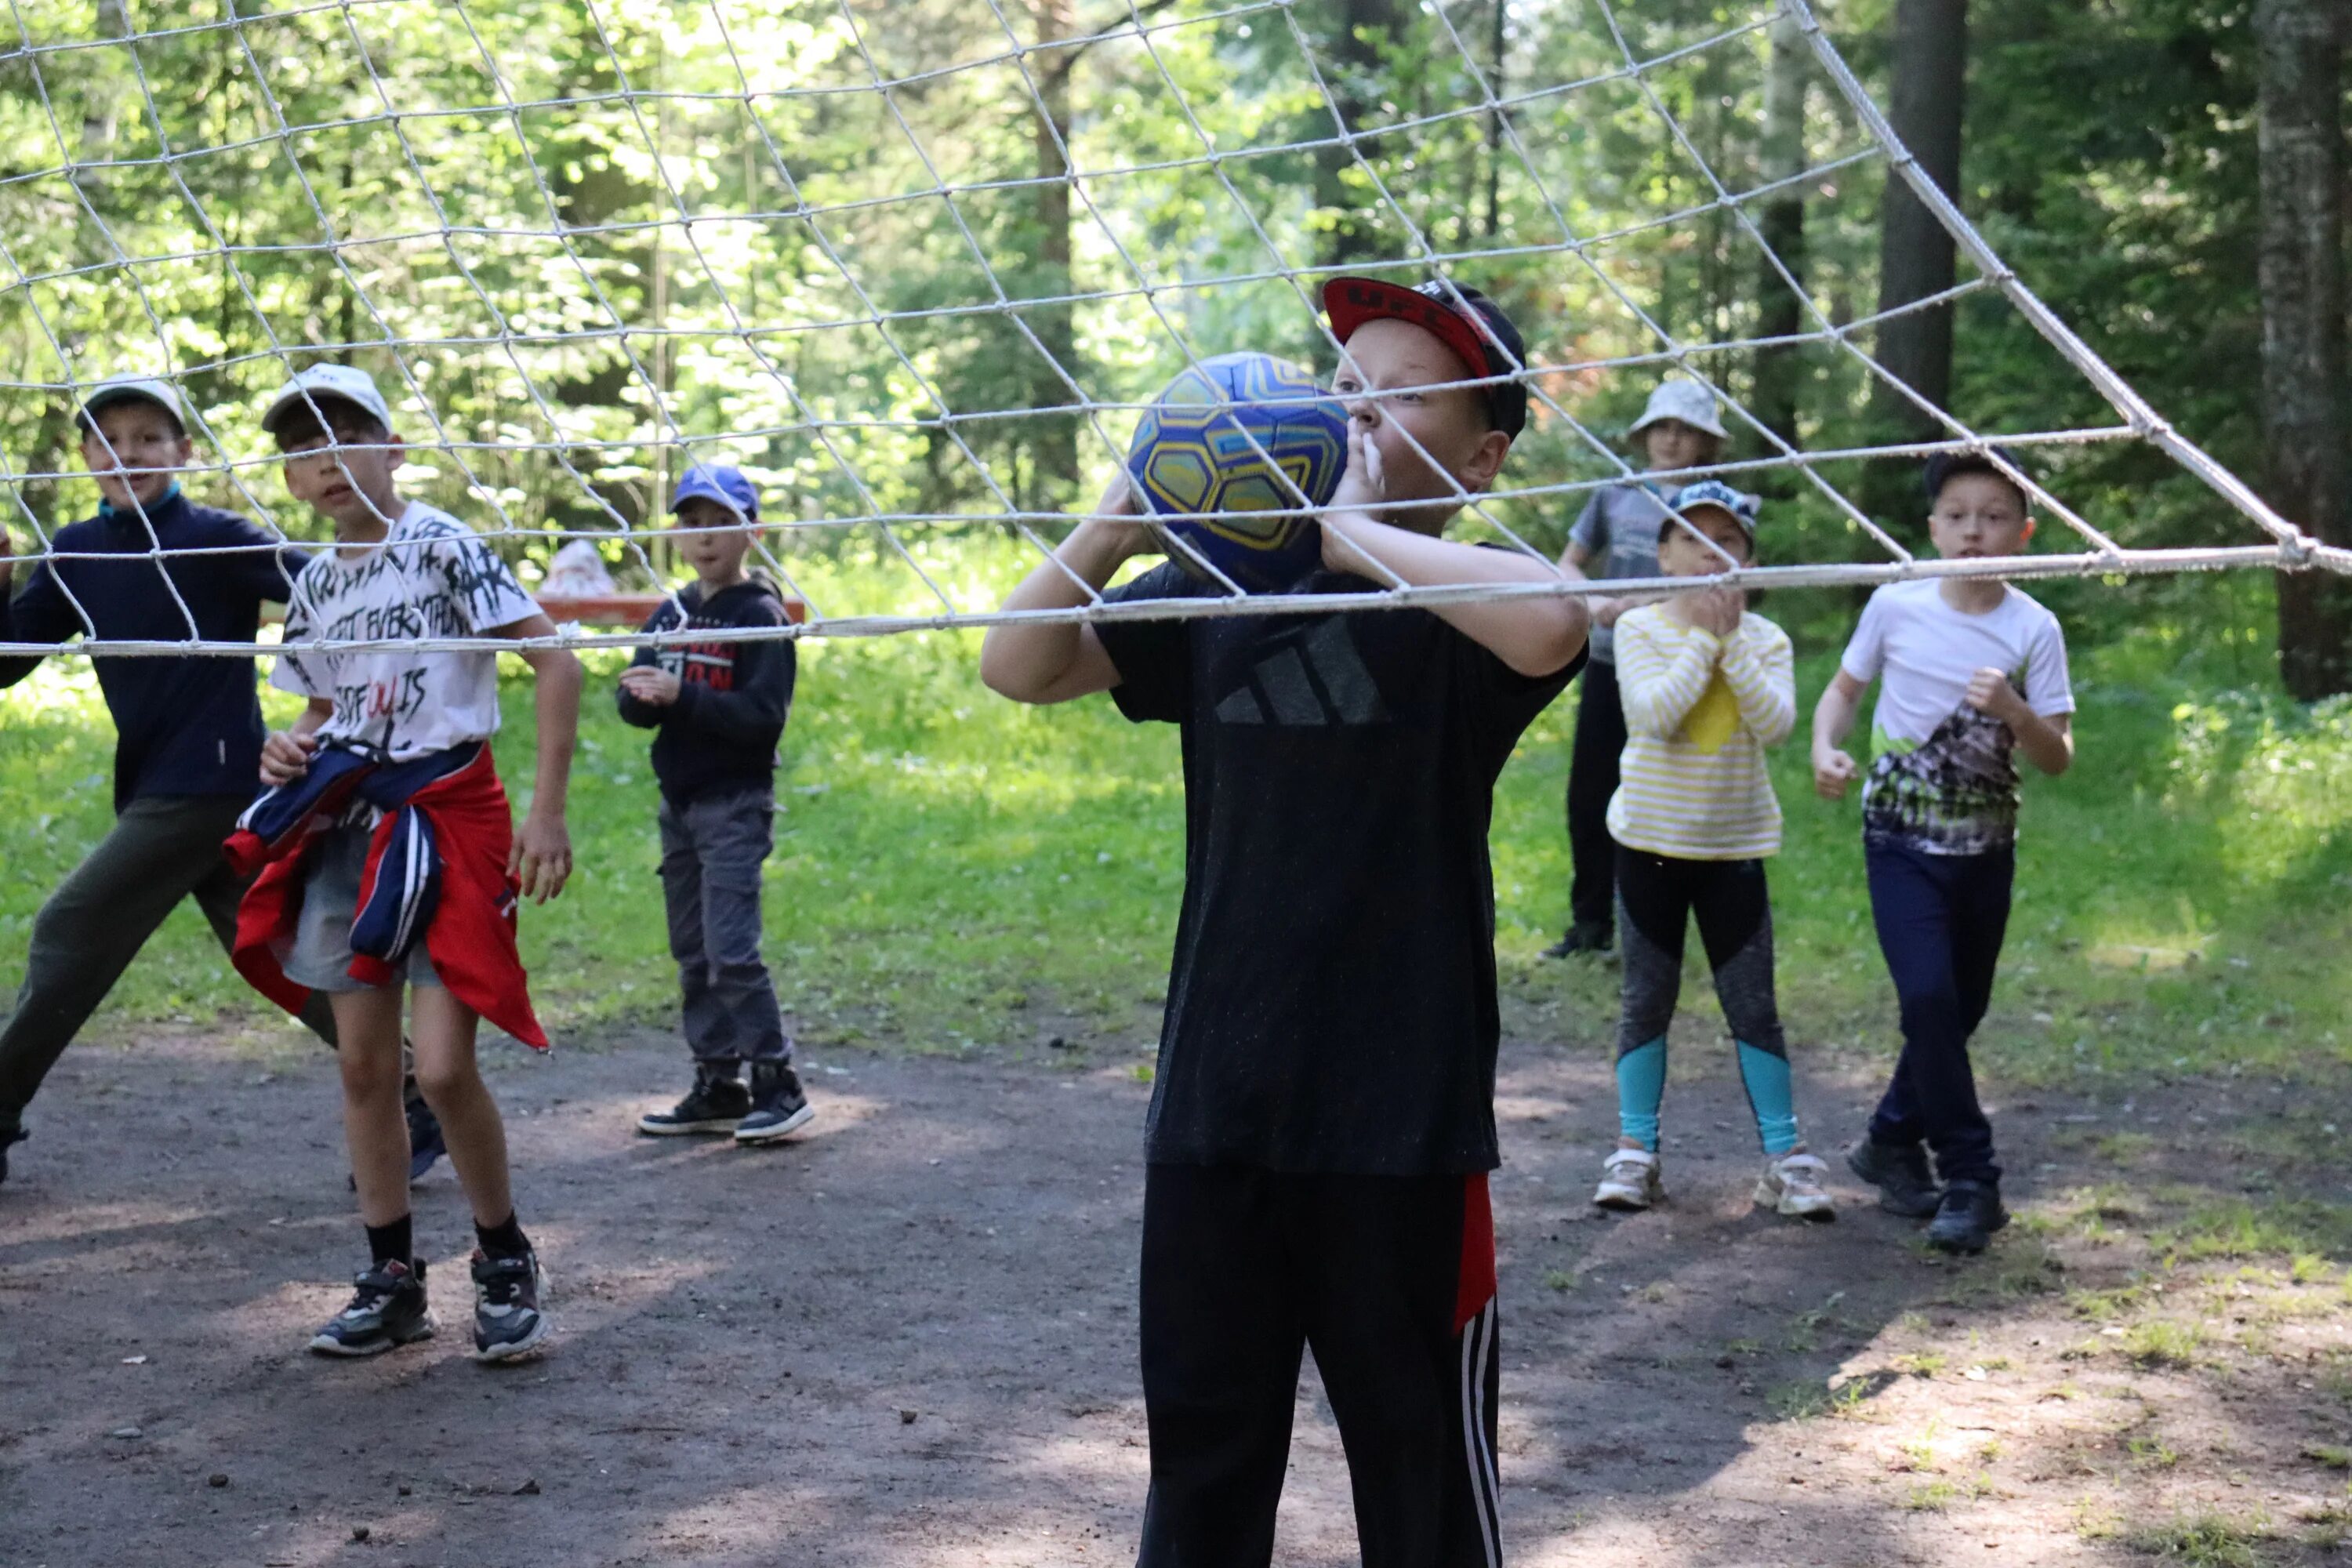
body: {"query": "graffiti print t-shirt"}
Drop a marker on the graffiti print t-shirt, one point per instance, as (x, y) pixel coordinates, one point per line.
(1332, 995)
(431, 577)
(1941, 776)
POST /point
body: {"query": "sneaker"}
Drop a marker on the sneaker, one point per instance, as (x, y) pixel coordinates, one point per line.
(1582, 938)
(425, 1144)
(508, 1322)
(387, 1309)
(778, 1109)
(1967, 1217)
(714, 1104)
(1791, 1186)
(1900, 1174)
(1629, 1181)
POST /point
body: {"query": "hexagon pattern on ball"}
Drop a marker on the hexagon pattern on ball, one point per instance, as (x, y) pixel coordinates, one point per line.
(1203, 448)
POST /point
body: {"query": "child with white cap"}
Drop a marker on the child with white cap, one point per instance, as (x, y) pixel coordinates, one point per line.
(153, 565)
(1616, 535)
(390, 860)
(1707, 687)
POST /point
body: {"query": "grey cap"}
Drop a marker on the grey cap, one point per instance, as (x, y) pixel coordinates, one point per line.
(117, 389)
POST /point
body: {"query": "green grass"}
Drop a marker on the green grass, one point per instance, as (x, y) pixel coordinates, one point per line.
(2204, 1541)
(954, 871)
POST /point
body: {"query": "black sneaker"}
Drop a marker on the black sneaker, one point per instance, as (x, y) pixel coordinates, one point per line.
(714, 1104)
(1582, 938)
(425, 1144)
(387, 1309)
(1967, 1217)
(508, 1322)
(778, 1109)
(1900, 1172)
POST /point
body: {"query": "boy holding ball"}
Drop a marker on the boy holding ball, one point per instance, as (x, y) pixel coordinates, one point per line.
(1322, 1120)
(1974, 672)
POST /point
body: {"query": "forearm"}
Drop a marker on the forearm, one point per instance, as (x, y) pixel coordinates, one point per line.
(1657, 693)
(1765, 688)
(1028, 660)
(2049, 746)
(1833, 717)
(555, 703)
(1533, 636)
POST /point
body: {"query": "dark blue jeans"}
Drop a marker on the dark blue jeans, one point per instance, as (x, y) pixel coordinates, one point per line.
(1940, 922)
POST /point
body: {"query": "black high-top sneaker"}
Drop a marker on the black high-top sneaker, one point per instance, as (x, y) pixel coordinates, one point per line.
(716, 1103)
(1965, 1219)
(778, 1109)
(508, 1322)
(387, 1309)
(1900, 1174)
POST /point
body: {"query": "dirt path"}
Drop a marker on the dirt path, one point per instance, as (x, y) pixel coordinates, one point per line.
(910, 1339)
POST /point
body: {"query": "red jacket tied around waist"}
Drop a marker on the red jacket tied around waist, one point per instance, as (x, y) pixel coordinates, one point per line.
(436, 869)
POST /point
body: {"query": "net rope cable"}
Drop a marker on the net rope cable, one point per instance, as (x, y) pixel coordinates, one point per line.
(2281, 544)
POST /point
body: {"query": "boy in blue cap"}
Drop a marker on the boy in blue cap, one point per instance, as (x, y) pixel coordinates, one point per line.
(718, 707)
(187, 729)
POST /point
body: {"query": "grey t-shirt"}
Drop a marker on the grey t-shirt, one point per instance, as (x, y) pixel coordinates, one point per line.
(1619, 530)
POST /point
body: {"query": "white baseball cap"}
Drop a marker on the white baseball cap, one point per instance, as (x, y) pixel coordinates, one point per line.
(117, 389)
(1685, 400)
(346, 382)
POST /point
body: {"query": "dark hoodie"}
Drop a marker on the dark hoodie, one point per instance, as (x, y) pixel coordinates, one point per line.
(732, 698)
(183, 724)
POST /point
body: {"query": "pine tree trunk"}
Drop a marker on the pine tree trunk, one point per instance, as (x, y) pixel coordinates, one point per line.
(1054, 437)
(1351, 68)
(1915, 254)
(1781, 221)
(2305, 424)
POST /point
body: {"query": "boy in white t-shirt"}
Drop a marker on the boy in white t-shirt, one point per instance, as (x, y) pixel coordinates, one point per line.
(406, 733)
(1973, 671)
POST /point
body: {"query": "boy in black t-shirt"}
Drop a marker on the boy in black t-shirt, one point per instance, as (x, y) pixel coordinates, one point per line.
(1322, 1121)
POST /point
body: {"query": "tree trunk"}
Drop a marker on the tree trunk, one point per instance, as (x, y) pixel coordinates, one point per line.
(1054, 437)
(1499, 43)
(1351, 68)
(1781, 155)
(2304, 425)
(1915, 254)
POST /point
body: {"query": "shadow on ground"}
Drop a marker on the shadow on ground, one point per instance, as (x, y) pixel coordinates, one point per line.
(909, 1339)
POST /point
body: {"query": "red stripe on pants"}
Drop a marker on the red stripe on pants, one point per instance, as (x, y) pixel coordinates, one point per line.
(1475, 1283)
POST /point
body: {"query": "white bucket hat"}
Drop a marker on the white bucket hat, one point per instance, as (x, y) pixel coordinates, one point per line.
(1685, 400)
(322, 382)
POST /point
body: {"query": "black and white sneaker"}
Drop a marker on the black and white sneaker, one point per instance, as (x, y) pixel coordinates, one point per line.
(778, 1109)
(507, 1322)
(715, 1104)
(387, 1309)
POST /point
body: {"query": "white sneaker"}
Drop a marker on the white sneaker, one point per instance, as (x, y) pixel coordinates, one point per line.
(1791, 1186)
(1629, 1181)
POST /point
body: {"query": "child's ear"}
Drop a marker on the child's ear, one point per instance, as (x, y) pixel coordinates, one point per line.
(397, 452)
(2027, 537)
(1485, 461)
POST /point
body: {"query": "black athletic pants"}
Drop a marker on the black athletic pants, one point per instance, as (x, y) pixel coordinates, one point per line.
(1940, 922)
(1389, 1280)
(1591, 781)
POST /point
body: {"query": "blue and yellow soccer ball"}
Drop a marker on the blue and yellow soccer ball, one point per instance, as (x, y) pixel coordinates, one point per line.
(1204, 448)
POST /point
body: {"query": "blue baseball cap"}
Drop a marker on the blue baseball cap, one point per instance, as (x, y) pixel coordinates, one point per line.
(718, 483)
(1742, 506)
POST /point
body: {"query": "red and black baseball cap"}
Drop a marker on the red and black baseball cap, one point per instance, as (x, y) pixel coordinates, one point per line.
(1461, 319)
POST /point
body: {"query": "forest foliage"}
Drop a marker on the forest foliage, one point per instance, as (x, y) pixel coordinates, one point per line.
(837, 240)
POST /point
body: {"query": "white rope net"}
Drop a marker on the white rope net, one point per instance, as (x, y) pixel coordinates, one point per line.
(918, 267)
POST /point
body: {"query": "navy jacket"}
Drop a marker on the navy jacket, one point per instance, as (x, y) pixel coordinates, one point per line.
(721, 733)
(184, 724)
